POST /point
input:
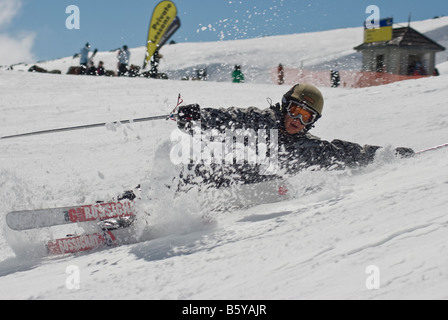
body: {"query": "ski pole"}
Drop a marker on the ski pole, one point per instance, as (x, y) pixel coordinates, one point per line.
(89, 126)
(172, 116)
(432, 148)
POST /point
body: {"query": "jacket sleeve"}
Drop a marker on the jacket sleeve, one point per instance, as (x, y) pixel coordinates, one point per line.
(355, 154)
(310, 151)
(237, 118)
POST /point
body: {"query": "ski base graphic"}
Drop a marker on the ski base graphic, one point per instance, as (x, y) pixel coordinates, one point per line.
(85, 242)
(41, 218)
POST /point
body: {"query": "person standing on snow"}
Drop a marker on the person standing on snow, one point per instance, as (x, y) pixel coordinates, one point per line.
(84, 58)
(237, 75)
(155, 61)
(280, 74)
(301, 107)
(123, 60)
(335, 78)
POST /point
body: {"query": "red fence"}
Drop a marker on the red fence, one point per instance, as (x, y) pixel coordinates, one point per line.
(349, 79)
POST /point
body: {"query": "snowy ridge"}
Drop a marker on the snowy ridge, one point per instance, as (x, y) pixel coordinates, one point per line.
(318, 245)
(257, 56)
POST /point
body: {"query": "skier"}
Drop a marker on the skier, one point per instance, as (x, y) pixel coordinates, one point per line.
(335, 78)
(237, 75)
(100, 71)
(280, 74)
(155, 61)
(84, 58)
(301, 107)
(91, 70)
(123, 60)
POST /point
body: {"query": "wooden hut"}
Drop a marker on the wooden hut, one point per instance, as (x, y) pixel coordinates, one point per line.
(407, 53)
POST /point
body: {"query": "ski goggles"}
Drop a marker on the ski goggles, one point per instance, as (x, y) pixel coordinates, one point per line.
(299, 110)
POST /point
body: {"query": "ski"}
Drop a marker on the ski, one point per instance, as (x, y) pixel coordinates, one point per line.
(85, 242)
(41, 218)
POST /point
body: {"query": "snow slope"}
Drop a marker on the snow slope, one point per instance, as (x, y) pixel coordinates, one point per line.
(391, 214)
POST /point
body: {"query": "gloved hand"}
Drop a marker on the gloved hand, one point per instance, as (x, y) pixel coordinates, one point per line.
(404, 152)
(191, 112)
(187, 115)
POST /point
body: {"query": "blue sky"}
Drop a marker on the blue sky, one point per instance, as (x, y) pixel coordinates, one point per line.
(36, 28)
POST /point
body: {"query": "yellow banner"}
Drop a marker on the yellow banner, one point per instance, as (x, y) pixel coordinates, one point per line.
(164, 14)
(377, 35)
(383, 33)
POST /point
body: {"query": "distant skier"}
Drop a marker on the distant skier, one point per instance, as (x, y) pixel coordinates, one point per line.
(84, 57)
(123, 57)
(237, 75)
(299, 110)
(280, 74)
(201, 74)
(335, 78)
(91, 70)
(100, 71)
(155, 61)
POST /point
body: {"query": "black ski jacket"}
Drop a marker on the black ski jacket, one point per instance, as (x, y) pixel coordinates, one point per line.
(295, 152)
